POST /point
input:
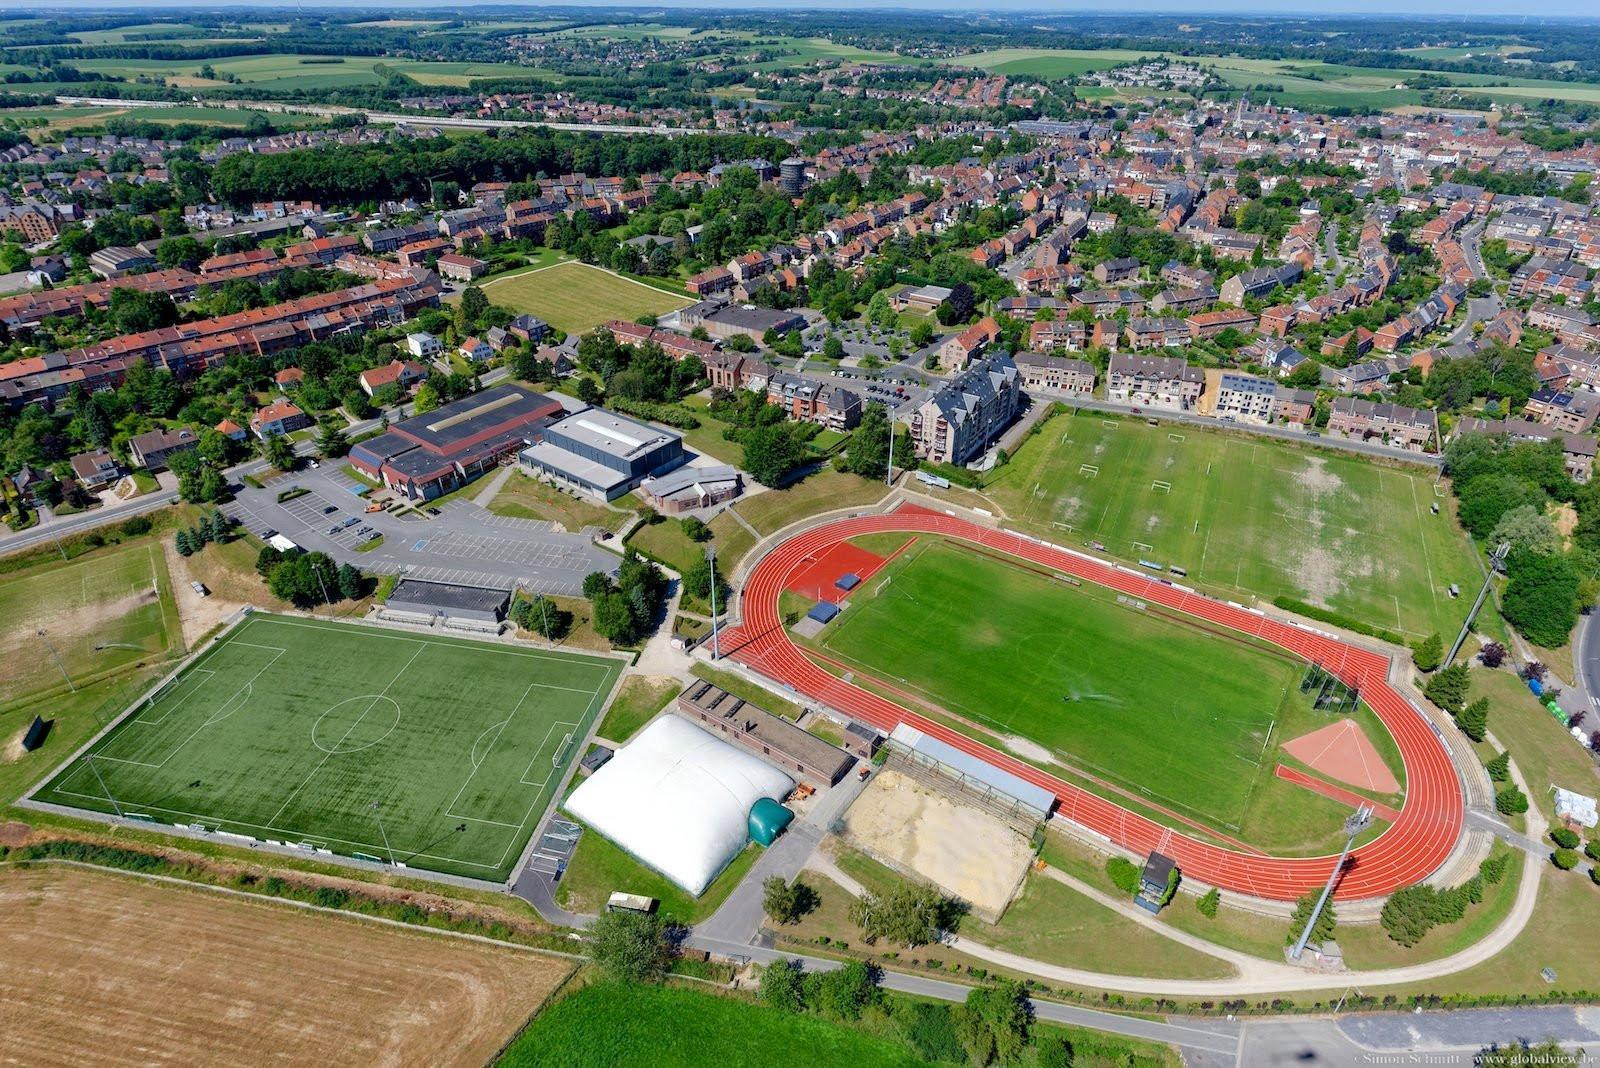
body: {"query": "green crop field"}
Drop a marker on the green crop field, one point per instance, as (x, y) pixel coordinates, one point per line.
(282, 71)
(97, 616)
(438, 752)
(1248, 515)
(576, 297)
(1133, 701)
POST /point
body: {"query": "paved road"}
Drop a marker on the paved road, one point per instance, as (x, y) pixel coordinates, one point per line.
(1364, 448)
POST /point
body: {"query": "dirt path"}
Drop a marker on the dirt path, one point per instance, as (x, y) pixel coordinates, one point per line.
(196, 614)
(113, 969)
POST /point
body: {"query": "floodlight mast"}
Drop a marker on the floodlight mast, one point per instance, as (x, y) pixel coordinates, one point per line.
(1354, 824)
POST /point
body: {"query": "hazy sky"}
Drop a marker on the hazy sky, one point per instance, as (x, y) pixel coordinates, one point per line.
(1511, 9)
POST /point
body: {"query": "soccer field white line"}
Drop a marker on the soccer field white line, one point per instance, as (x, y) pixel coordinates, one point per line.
(381, 693)
(571, 661)
(248, 684)
(146, 721)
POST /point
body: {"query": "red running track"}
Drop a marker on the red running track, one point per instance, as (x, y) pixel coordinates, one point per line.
(1413, 846)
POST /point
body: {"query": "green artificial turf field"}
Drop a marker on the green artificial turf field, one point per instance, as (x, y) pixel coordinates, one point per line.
(98, 615)
(1248, 515)
(1131, 701)
(293, 730)
(575, 297)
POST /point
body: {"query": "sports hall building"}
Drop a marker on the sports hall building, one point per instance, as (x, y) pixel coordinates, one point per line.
(430, 455)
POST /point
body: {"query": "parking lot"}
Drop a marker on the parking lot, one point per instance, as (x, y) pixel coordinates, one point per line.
(463, 543)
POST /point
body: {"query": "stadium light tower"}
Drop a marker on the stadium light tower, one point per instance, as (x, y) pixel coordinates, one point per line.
(716, 645)
(1354, 824)
(378, 815)
(57, 657)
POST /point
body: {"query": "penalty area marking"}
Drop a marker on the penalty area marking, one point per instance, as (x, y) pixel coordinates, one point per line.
(1089, 470)
(1177, 437)
(1108, 424)
(1159, 486)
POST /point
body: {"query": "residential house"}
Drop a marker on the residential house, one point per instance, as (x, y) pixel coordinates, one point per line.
(279, 417)
(1166, 382)
(151, 449)
(1393, 424)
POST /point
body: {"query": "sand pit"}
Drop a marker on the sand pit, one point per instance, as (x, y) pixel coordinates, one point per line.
(1342, 751)
(964, 851)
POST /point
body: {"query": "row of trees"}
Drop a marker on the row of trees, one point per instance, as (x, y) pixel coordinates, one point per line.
(307, 580)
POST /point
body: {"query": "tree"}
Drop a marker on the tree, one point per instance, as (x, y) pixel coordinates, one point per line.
(213, 487)
(786, 902)
(267, 559)
(770, 453)
(783, 985)
(910, 914)
(1208, 902)
(1474, 719)
(1510, 801)
(1519, 1054)
(427, 398)
(1565, 837)
(993, 1023)
(470, 311)
(844, 993)
(1409, 914)
(543, 617)
(832, 347)
(1527, 527)
(182, 542)
(695, 529)
(613, 617)
(1322, 930)
(331, 441)
(869, 445)
(699, 579)
(1428, 652)
(1565, 859)
(1541, 597)
(632, 947)
(350, 582)
(595, 583)
(1448, 689)
(959, 306)
(1492, 655)
(278, 451)
(1499, 768)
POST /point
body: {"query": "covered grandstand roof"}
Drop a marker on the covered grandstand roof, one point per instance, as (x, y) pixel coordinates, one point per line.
(971, 767)
(679, 799)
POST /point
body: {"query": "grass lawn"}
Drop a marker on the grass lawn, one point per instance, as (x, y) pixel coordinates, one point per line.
(820, 492)
(526, 497)
(667, 542)
(600, 868)
(1541, 747)
(99, 615)
(1172, 712)
(1247, 515)
(75, 717)
(638, 699)
(576, 297)
(607, 1025)
(291, 730)
(1054, 923)
(284, 71)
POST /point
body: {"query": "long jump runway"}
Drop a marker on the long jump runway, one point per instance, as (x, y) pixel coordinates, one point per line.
(1415, 844)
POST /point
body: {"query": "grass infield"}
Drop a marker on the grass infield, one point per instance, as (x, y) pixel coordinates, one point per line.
(576, 297)
(1247, 515)
(1077, 678)
(292, 730)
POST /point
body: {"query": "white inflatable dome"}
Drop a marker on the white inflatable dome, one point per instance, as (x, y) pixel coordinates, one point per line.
(678, 798)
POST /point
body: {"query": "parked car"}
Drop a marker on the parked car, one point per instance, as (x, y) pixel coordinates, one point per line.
(200, 588)
(330, 509)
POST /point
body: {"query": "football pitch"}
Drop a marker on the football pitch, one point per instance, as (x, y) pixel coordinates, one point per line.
(434, 752)
(97, 615)
(1156, 705)
(577, 297)
(1248, 515)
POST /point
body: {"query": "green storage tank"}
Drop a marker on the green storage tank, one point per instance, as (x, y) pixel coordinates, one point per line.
(767, 820)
